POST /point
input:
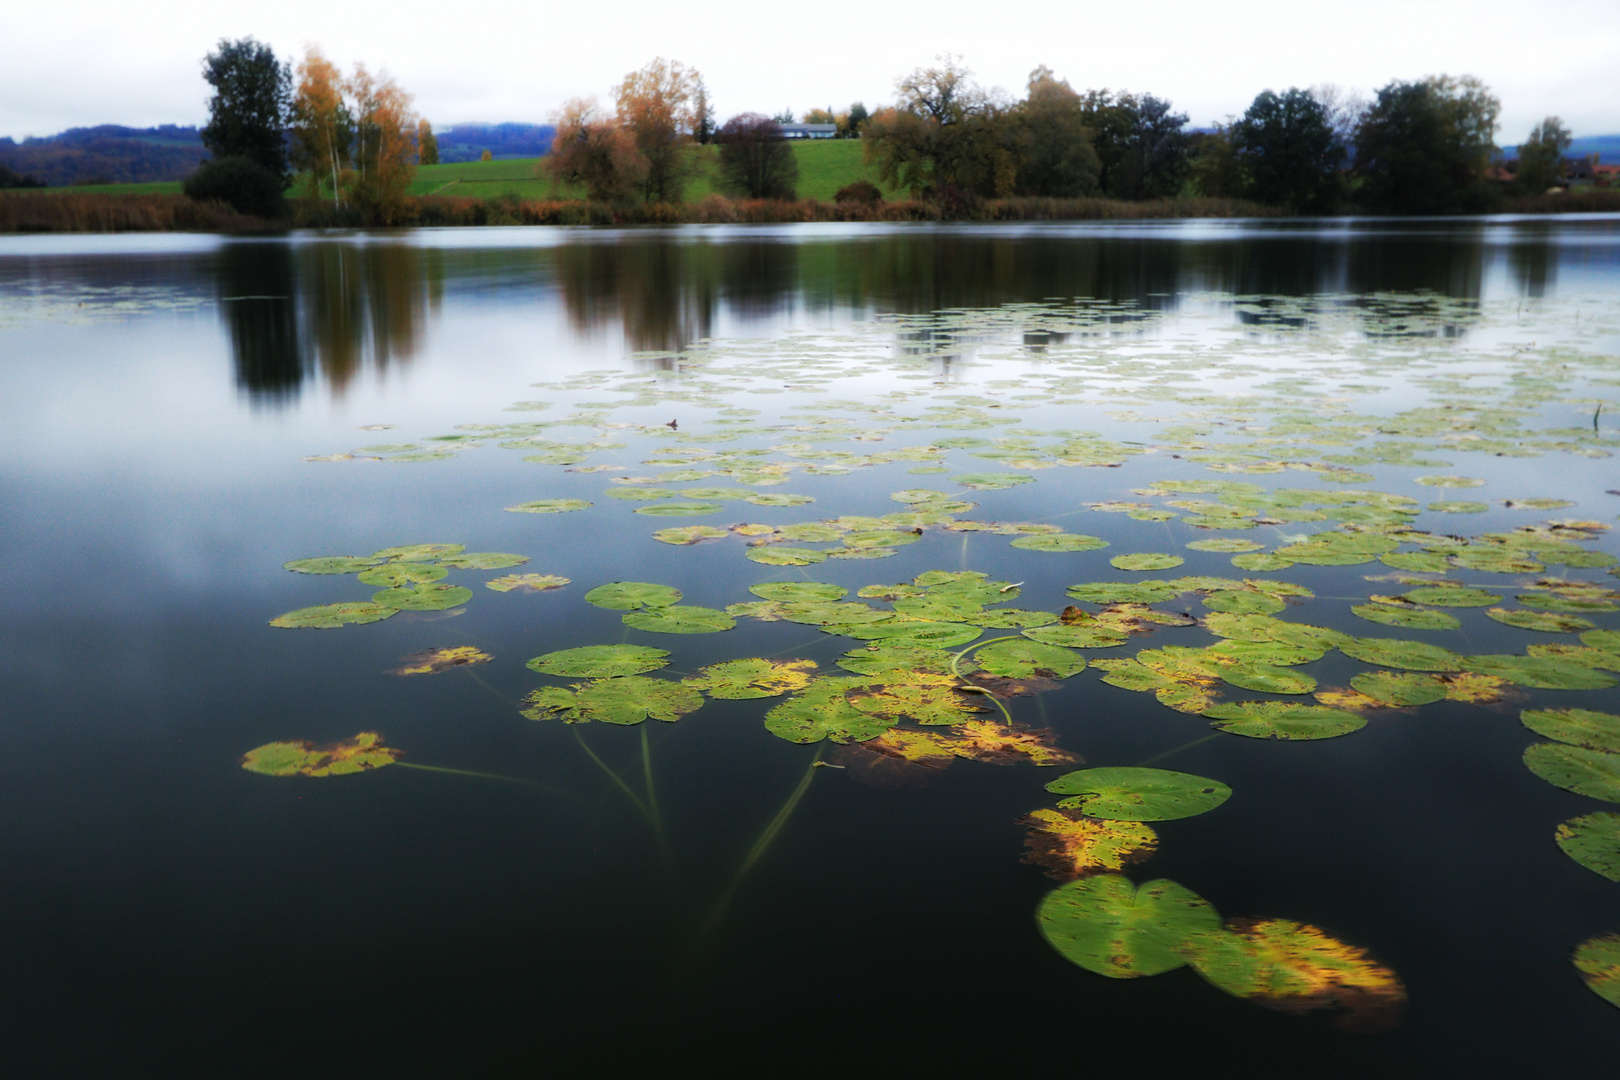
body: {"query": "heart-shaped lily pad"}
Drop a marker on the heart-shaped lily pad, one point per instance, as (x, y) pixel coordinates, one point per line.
(632, 595)
(624, 699)
(1136, 794)
(328, 616)
(1016, 658)
(1109, 926)
(1147, 560)
(1059, 542)
(1406, 655)
(362, 753)
(752, 678)
(1598, 961)
(680, 619)
(1283, 720)
(601, 661)
(798, 591)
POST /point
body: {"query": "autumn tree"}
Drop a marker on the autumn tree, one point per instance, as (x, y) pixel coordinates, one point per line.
(384, 145)
(1424, 147)
(657, 105)
(427, 144)
(322, 127)
(1057, 158)
(942, 132)
(1541, 156)
(755, 160)
(594, 151)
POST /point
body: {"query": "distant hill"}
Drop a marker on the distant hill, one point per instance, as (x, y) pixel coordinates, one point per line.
(106, 154)
(467, 142)
(1607, 147)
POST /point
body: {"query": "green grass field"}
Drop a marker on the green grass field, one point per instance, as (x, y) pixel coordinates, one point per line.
(824, 167)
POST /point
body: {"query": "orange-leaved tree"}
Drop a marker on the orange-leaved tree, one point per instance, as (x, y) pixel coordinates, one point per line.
(321, 127)
(658, 105)
(385, 144)
(593, 150)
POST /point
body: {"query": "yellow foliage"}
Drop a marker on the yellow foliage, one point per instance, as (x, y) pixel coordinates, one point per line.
(1071, 845)
(1475, 689)
(986, 740)
(436, 660)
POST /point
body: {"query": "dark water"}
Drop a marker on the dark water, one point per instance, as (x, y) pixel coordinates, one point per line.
(164, 911)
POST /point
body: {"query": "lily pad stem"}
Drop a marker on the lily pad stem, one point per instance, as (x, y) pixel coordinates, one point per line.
(1175, 750)
(487, 776)
(977, 645)
(652, 798)
(631, 795)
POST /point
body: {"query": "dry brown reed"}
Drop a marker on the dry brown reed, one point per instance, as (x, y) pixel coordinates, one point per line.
(99, 212)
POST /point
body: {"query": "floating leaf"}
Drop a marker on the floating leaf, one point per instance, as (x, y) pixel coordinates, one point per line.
(1593, 773)
(1261, 561)
(549, 506)
(1243, 602)
(679, 509)
(1458, 506)
(1186, 693)
(1124, 592)
(645, 494)
(798, 591)
(1401, 689)
(331, 564)
(1124, 793)
(1607, 640)
(1578, 727)
(526, 582)
(1224, 544)
(1406, 655)
(1059, 542)
(327, 616)
(822, 711)
(1078, 636)
(1422, 562)
(1545, 621)
(1002, 744)
(1405, 616)
(601, 661)
(1541, 673)
(1283, 720)
(926, 700)
(689, 534)
(401, 574)
(631, 595)
(892, 658)
(716, 493)
(1146, 561)
(623, 699)
(1593, 840)
(484, 560)
(423, 597)
(1298, 968)
(776, 499)
(1015, 658)
(418, 552)
(1450, 481)
(436, 660)
(991, 481)
(752, 678)
(360, 754)
(786, 556)
(1598, 961)
(680, 619)
(1451, 596)
(1070, 845)
(1474, 689)
(940, 635)
(1109, 926)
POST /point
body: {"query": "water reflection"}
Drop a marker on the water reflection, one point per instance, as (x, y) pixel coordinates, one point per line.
(334, 306)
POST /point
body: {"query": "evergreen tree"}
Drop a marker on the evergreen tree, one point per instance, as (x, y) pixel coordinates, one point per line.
(247, 116)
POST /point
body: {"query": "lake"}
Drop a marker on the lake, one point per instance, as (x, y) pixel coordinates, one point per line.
(484, 651)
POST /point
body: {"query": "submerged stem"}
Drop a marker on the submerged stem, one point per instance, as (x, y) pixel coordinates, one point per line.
(652, 798)
(485, 775)
(1176, 750)
(631, 795)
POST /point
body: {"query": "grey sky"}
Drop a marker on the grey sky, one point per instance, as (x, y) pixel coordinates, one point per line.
(94, 61)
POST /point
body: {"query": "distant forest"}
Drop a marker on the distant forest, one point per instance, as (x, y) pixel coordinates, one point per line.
(110, 154)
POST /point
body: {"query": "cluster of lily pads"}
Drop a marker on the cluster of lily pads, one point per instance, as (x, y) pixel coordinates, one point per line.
(921, 685)
(411, 579)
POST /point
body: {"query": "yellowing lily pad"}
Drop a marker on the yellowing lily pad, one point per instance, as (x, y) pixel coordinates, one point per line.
(1298, 968)
(526, 583)
(332, 564)
(360, 754)
(1109, 926)
(1598, 961)
(1123, 793)
(601, 661)
(1070, 845)
(822, 711)
(752, 678)
(328, 616)
(623, 699)
(433, 661)
(1283, 720)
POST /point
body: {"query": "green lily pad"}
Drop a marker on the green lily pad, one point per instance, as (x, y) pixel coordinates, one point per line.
(1243, 602)
(1567, 604)
(1593, 773)
(707, 493)
(1147, 560)
(484, 560)
(778, 499)
(1450, 481)
(362, 753)
(680, 619)
(644, 494)
(689, 534)
(752, 678)
(1078, 636)
(679, 509)
(1123, 793)
(991, 481)
(549, 506)
(397, 575)
(1406, 655)
(1578, 727)
(772, 555)
(1124, 592)
(888, 658)
(940, 635)
(1227, 544)
(822, 711)
(327, 616)
(1408, 618)
(1458, 506)
(798, 591)
(601, 661)
(423, 597)
(1015, 658)
(632, 595)
(1545, 621)
(1261, 562)
(1451, 596)
(623, 699)
(1109, 926)
(1593, 840)
(1059, 542)
(526, 582)
(1598, 961)
(1607, 640)
(1422, 562)
(418, 552)
(1267, 678)
(1541, 673)
(331, 564)
(1403, 688)
(1283, 720)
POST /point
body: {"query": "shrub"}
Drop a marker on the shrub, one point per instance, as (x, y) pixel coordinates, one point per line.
(863, 192)
(241, 183)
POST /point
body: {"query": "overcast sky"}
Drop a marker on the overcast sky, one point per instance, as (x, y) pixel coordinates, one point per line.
(96, 62)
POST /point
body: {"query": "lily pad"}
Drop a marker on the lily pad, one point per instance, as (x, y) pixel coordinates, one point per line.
(1458, 506)
(991, 481)
(1127, 793)
(822, 711)
(632, 595)
(1070, 845)
(689, 534)
(1593, 840)
(623, 699)
(423, 597)
(1401, 689)
(418, 552)
(1059, 542)
(680, 619)
(1578, 727)
(1598, 961)
(1296, 967)
(1147, 560)
(549, 506)
(1124, 592)
(1593, 773)
(778, 499)
(1406, 617)
(601, 661)
(645, 494)
(1244, 602)
(1283, 720)
(331, 564)
(798, 591)
(398, 575)
(1541, 673)
(1108, 925)
(1451, 596)
(1607, 640)
(1450, 481)
(888, 660)
(327, 616)
(433, 661)
(362, 753)
(1405, 655)
(786, 556)
(1230, 545)
(1078, 636)
(1545, 621)
(940, 635)
(526, 583)
(752, 678)
(1014, 658)
(679, 509)
(484, 560)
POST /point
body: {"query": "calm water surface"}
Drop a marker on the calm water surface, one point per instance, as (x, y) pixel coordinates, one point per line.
(165, 911)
